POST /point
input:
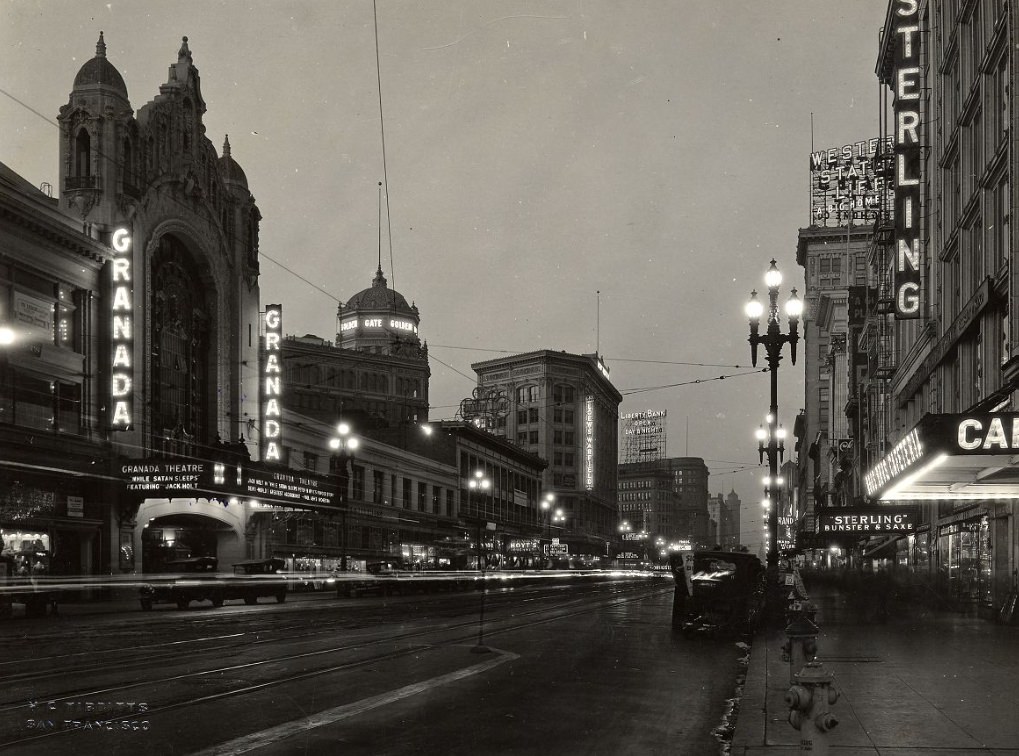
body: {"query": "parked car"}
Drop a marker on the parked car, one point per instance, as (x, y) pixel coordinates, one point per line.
(257, 578)
(198, 579)
(728, 593)
(187, 580)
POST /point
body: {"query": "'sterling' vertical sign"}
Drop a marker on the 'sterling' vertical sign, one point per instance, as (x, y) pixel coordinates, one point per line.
(272, 388)
(908, 86)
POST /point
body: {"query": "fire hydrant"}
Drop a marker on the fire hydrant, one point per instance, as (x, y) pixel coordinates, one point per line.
(801, 644)
(808, 699)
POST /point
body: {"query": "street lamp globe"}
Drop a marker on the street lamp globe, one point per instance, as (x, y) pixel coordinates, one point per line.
(479, 481)
(773, 278)
(794, 306)
(754, 308)
(7, 336)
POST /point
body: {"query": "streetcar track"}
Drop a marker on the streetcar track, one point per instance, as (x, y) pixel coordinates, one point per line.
(271, 636)
(7, 706)
(558, 614)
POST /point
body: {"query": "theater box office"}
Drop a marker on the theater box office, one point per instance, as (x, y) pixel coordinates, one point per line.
(963, 472)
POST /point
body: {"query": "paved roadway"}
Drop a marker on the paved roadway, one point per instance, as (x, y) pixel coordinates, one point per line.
(568, 670)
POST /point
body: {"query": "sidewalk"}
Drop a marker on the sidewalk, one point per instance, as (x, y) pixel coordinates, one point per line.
(920, 683)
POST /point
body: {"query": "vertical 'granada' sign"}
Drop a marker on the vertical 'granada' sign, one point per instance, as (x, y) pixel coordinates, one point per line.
(121, 373)
(272, 388)
(908, 86)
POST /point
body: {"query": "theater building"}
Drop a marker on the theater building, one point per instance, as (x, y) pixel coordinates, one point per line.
(179, 311)
(944, 264)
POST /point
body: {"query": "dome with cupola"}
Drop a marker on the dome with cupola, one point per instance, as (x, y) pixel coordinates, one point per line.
(229, 169)
(100, 72)
(377, 319)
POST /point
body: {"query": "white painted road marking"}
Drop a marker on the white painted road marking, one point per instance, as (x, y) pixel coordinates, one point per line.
(322, 718)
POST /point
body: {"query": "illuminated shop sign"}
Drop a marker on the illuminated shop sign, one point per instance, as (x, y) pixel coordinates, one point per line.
(122, 372)
(844, 184)
(648, 422)
(867, 520)
(395, 324)
(272, 385)
(908, 86)
(906, 453)
(194, 478)
(589, 442)
(977, 434)
(969, 434)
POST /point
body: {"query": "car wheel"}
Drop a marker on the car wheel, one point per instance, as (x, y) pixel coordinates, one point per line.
(280, 598)
(146, 605)
(182, 603)
(249, 600)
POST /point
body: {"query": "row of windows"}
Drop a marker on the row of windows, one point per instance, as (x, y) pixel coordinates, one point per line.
(560, 437)
(337, 404)
(406, 493)
(559, 415)
(561, 394)
(46, 405)
(316, 375)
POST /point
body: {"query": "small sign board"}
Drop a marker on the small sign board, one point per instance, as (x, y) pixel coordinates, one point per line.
(75, 506)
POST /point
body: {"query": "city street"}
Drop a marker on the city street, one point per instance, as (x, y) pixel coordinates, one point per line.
(569, 669)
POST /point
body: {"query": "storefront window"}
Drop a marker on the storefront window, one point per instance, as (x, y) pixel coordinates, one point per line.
(25, 553)
(921, 552)
(965, 561)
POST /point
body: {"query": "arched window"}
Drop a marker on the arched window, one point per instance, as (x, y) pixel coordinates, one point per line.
(83, 153)
(180, 338)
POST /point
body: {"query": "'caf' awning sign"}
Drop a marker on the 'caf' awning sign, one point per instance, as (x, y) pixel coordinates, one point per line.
(957, 456)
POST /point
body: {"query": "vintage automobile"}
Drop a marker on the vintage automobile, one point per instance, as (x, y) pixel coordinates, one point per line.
(727, 596)
(198, 579)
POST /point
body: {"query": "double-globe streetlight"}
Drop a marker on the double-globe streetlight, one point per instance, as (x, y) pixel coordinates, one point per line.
(480, 483)
(343, 445)
(773, 339)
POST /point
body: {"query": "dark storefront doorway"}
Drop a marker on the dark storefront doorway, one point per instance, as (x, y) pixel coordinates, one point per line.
(179, 537)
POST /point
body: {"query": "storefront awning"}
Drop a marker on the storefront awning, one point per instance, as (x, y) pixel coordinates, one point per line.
(951, 457)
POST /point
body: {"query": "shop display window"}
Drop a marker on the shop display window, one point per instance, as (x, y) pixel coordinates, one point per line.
(26, 553)
(965, 561)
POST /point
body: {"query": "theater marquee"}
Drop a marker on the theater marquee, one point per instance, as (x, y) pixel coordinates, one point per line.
(951, 457)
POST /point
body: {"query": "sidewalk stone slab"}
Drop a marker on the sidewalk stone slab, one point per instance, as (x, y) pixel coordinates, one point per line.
(920, 683)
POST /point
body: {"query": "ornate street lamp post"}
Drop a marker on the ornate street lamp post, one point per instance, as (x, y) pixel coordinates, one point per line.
(343, 444)
(546, 508)
(478, 482)
(773, 339)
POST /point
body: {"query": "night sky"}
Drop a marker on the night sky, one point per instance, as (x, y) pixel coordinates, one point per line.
(535, 154)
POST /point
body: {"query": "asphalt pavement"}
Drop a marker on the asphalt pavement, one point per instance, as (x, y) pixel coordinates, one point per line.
(919, 682)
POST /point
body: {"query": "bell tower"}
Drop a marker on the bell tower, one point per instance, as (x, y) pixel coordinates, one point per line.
(97, 144)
